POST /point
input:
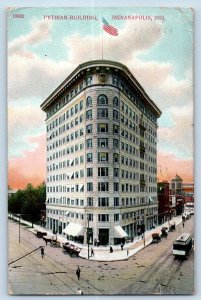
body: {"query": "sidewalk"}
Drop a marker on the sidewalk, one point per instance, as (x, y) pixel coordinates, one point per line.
(102, 253)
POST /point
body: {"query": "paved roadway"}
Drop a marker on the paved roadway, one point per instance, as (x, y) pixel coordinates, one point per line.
(153, 270)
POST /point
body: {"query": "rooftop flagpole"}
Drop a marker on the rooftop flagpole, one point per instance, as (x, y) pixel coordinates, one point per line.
(109, 29)
(102, 31)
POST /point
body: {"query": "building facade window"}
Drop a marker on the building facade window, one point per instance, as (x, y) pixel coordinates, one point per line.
(102, 113)
(103, 201)
(102, 100)
(116, 217)
(88, 80)
(115, 143)
(116, 201)
(115, 81)
(115, 115)
(115, 129)
(89, 129)
(102, 156)
(115, 158)
(103, 142)
(116, 172)
(89, 101)
(103, 186)
(102, 127)
(81, 105)
(89, 186)
(103, 171)
(115, 186)
(89, 143)
(103, 218)
(89, 157)
(89, 114)
(72, 111)
(76, 108)
(89, 201)
(115, 102)
(90, 217)
(89, 172)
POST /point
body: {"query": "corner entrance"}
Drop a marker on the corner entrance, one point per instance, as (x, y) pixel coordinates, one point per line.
(104, 236)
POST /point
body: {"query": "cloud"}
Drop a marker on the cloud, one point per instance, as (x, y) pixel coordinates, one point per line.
(179, 137)
(33, 76)
(169, 165)
(29, 74)
(30, 168)
(40, 32)
(23, 123)
(160, 84)
(133, 38)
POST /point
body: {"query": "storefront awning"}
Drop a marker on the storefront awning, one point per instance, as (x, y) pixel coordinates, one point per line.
(119, 232)
(73, 229)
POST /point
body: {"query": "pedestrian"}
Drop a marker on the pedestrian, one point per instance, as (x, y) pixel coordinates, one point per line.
(111, 249)
(127, 252)
(95, 242)
(92, 252)
(79, 292)
(122, 246)
(42, 252)
(78, 273)
(183, 224)
(139, 234)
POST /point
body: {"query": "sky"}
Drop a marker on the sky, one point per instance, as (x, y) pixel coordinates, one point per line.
(42, 53)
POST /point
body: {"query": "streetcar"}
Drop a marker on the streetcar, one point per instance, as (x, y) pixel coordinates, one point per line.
(183, 245)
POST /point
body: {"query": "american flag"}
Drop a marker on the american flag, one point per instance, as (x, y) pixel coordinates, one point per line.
(108, 28)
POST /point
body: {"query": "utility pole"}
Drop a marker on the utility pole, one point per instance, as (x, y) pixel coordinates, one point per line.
(144, 234)
(88, 234)
(19, 228)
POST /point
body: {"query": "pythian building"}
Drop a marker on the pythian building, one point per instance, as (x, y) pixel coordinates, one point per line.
(101, 155)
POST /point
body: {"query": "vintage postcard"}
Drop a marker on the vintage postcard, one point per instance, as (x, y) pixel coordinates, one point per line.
(100, 171)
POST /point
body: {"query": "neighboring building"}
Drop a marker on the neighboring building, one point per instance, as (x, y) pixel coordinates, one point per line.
(176, 195)
(176, 185)
(11, 191)
(101, 154)
(164, 210)
(188, 192)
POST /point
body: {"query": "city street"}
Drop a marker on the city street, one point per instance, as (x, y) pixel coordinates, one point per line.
(153, 270)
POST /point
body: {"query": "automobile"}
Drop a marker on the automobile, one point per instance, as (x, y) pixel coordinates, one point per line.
(186, 215)
(164, 232)
(156, 237)
(192, 211)
(172, 227)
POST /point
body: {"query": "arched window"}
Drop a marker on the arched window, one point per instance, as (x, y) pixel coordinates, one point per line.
(89, 101)
(102, 100)
(116, 102)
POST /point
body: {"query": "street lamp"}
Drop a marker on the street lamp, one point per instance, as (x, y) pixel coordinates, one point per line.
(19, 216)
(142, 228)
(88, 234)
(19, 226)
(87, 229)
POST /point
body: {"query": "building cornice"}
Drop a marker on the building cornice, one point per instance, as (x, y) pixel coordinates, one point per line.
(85, 68)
